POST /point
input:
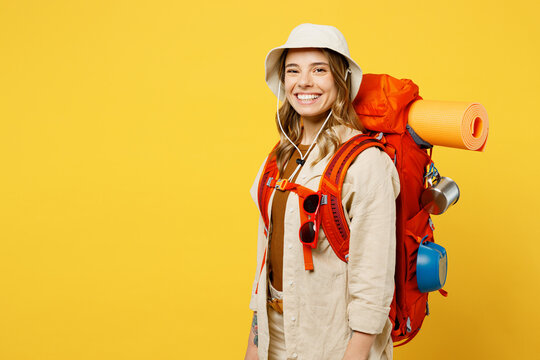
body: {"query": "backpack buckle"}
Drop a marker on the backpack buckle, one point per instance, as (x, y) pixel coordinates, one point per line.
(324, 199)
(281, 184)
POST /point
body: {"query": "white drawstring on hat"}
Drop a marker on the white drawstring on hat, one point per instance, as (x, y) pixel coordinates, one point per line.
(302, 157)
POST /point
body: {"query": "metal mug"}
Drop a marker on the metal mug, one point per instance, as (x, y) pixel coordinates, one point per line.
(437, 198)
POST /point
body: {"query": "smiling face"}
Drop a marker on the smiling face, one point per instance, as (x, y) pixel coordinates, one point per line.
(309, 84)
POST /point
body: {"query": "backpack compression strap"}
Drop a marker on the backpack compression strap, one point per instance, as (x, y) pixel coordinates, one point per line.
(334, 223)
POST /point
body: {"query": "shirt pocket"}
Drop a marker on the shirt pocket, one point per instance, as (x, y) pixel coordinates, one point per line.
(324, 289)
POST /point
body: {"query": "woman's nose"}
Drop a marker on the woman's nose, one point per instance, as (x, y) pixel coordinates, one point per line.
(305, 79)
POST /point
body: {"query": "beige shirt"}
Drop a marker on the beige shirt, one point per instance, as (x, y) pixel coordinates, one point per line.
(323, 306)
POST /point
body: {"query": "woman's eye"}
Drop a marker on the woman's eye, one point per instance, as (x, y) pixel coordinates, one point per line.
(292, 71)
(319, 70)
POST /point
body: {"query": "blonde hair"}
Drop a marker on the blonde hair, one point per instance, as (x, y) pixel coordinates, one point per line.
(342, 113)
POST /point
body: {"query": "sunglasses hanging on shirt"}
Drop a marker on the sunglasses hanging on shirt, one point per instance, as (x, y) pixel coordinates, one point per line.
(310, 221)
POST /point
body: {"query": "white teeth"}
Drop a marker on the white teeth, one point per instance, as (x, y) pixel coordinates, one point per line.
(307, 96)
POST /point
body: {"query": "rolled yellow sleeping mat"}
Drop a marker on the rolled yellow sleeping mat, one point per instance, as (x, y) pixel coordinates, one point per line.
(462, 125)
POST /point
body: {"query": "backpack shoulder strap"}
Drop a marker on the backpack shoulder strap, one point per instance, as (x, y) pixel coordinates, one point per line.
(333, 218)
(264, 192)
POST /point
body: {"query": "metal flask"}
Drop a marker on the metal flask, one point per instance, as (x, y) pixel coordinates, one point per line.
(437, 198)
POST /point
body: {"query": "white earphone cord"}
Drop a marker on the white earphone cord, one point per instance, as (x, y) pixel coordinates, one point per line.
(302, 157)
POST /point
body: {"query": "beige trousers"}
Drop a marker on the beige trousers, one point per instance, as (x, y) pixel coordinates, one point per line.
(276, 350)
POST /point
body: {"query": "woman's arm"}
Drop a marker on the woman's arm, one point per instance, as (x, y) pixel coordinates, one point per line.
(253, 340)
(371, 193)
(359, 346)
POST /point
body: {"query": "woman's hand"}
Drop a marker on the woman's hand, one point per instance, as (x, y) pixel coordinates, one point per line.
(359, 346)
(253, 340)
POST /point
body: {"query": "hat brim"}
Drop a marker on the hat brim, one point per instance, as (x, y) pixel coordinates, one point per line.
(272, 74)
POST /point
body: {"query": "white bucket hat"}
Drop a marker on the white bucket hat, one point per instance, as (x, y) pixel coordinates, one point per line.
(312, 36)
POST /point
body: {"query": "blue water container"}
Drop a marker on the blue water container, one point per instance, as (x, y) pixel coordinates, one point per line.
(431, 267)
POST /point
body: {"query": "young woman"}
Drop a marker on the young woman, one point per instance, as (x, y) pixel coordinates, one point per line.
(338, 310)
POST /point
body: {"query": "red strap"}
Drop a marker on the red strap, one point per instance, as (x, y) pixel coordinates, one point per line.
(302, 192)
(264, 192)
(443, 292)
(308, 258)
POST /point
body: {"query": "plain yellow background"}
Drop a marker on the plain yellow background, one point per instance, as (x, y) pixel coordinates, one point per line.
(131, 132)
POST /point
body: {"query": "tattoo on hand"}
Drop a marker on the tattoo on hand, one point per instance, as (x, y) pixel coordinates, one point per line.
(255, 330)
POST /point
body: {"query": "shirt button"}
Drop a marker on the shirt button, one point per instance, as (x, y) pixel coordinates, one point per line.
(293, 319)
(294, 355)
(289, 246)
(291, 283)
(291, 211)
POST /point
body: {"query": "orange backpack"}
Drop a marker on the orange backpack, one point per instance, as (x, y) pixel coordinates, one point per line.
(382, 106)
